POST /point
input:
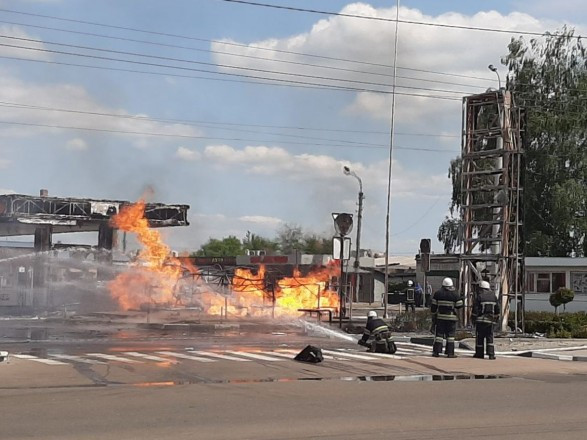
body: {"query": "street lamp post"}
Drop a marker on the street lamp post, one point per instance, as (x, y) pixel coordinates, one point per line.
(347, 171)
(494, 69)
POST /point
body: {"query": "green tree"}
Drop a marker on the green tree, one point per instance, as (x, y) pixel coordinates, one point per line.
(290, 238)
(256, 242)
(566, 296)
(549, 79)
(315, 244)
(448, 234)
(229, 246)
(555, 302)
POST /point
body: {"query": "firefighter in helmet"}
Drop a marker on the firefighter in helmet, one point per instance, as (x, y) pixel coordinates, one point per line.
(445, 304)
(485, 312)
(410, 297)
(377, 335)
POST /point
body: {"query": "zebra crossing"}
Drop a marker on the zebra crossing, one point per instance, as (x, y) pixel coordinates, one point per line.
(210, 356)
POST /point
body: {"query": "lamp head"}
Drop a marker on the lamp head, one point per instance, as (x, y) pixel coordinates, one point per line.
(346, 170)
(492, 68)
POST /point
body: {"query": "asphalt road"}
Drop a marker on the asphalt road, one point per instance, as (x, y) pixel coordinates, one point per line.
(244, 385)
(502, 408)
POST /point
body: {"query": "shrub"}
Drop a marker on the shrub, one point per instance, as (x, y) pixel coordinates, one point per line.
(565, 325)
(580, 333)
(565, 295)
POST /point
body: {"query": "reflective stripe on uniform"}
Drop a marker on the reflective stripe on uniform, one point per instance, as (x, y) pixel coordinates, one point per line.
(446, 303)
(380, 329)
(444, 317)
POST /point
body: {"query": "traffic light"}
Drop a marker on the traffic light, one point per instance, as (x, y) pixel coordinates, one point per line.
(425, 246)
(425, 254)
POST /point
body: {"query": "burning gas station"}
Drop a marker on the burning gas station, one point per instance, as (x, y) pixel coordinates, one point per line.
(154, 278)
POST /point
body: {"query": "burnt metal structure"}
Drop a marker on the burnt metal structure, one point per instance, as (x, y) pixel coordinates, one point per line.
(42, 216)
(25, 215)
(491, 199)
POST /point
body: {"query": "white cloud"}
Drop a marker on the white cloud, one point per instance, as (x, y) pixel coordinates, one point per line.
(16, 36)
(454, 51)
(76, 144)
(63, 96)
(322, 170)
(187, 154)
(261, 220)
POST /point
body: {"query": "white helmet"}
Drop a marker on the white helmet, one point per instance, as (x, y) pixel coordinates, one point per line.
(447, 282)
(410, 283)
(372, 314)
(484, 285)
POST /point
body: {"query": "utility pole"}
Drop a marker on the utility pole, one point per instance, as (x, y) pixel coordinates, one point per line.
(348, 172)
(390, 169)
(358, 251)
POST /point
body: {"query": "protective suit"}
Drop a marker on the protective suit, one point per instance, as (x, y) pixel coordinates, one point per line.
(485, 313)
(377, 336)
(445, 304)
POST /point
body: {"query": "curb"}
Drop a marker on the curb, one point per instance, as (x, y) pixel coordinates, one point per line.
(557, 357)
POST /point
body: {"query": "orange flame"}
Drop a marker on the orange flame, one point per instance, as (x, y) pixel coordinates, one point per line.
(155, 275)
(251, 296)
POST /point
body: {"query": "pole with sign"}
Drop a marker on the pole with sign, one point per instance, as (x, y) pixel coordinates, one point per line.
(425, 260)
(343, 225)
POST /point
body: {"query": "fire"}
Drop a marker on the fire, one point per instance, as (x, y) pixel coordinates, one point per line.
(255, 295)
(156, 277)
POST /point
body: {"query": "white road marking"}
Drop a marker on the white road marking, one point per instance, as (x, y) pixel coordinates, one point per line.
(28, 357)
(148, 356)
(276, 353)
(76, 359)
(254, 356)
(220, 356)
(111, 357)
(384, 356)
(186, 356)
(350, 355)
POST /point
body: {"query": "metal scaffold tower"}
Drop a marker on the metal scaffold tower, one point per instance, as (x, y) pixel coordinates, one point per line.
(492, 208)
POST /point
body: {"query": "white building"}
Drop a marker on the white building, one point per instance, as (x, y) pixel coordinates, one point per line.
(547, 274)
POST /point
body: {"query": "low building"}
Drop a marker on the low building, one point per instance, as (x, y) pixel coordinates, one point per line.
(547, 274)
(543, 276)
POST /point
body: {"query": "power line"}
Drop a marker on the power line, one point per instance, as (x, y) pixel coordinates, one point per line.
(419, 23)
(272, 60)
(174, 121)
(228, 43)
(184, 136)
(157, 57)
(240, 75)
(211, 124)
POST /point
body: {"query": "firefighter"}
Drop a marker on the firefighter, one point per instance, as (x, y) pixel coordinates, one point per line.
(445, 304)
(410, 297)
(377, 335)
(484, 314)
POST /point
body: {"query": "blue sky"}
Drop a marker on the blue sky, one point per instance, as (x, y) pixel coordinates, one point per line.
(248, 155)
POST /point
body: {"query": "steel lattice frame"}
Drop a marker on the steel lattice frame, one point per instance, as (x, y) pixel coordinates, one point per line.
(491, 204)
